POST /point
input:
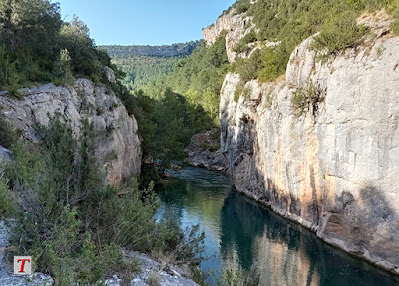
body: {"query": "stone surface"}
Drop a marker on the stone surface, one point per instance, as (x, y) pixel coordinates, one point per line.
(110, 74)
(168, 275)
(334, 170)
(204, 151)
(234, 25)
(118, 149)
(5, 154)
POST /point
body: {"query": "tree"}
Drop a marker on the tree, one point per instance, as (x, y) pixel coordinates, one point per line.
(33, 24)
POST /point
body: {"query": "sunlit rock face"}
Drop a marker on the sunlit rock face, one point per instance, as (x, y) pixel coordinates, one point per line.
(334, 169)
(235, 27)
(117, 148)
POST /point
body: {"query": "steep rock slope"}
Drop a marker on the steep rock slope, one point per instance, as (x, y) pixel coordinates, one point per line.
(235, 27)
(335, 169)
(118, 146)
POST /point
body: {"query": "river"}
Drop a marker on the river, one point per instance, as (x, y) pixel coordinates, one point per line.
(241, 235)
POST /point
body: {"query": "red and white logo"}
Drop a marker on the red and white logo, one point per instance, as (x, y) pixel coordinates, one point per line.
(22, 265)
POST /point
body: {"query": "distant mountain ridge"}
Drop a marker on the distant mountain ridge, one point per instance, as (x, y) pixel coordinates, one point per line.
(175, 50)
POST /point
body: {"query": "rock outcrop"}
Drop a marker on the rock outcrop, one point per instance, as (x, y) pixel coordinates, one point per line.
(235, 27)
(118, 146)
(5, 154)
(334, 169)
(204, 151)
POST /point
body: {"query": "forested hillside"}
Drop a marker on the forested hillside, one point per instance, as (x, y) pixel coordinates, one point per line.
(275, 27)
(141, 71)
(175, 50)
(144, 65)
(173, 98)
(63, 211)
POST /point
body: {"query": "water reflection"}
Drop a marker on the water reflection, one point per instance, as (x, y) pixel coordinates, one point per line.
(241, 234)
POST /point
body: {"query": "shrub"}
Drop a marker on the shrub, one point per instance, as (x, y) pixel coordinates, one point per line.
(339, 33)
(274, 62)
(395, 23)
(5, 199)
(68, 216)
(242, 44)
(242, 6)
(7, 134)
(154, 279)
(248, 69)
(304, 99)
(239, 90)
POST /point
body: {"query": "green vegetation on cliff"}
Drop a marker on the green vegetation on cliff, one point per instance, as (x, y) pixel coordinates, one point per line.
(72, 222)
(38, 47)
(171, 108)
(290, 22)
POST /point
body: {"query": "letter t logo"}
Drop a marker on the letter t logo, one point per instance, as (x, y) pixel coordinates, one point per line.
(22, 265)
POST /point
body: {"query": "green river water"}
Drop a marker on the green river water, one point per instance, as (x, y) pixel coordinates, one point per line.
(241, 234)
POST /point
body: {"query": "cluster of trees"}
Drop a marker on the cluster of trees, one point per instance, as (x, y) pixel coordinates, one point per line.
(292, 21)
(199, 78)
(172, 104)
(37, 46)
(175, 50)
(72, 222)
(141, 71)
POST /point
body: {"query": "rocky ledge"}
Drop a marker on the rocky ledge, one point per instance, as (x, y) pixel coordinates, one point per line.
(118, 146)
(204, 151)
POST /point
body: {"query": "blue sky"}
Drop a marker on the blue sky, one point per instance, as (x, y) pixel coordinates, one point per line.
(145, 22)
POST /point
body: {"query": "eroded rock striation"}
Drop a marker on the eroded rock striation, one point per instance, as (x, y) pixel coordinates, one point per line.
(118, 146)
(335, 168)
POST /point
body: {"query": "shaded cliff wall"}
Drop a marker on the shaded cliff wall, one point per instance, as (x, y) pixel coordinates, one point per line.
(335, 169)
(118, 147)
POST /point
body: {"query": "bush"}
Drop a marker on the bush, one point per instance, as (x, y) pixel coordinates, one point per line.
(239, 90)
(71, 221)
(249, 69)
(7, 134)
(395, 23)
(305, 99)
(5, 199)
(242, 44)
(154, 279)
(242, 6)
(339, 33)
(274, 62)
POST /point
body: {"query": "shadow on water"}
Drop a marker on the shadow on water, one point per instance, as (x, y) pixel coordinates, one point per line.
(241, 234)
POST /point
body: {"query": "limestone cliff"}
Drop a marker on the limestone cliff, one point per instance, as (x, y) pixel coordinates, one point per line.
(335, 169)
(235, 26)
(118, 146)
